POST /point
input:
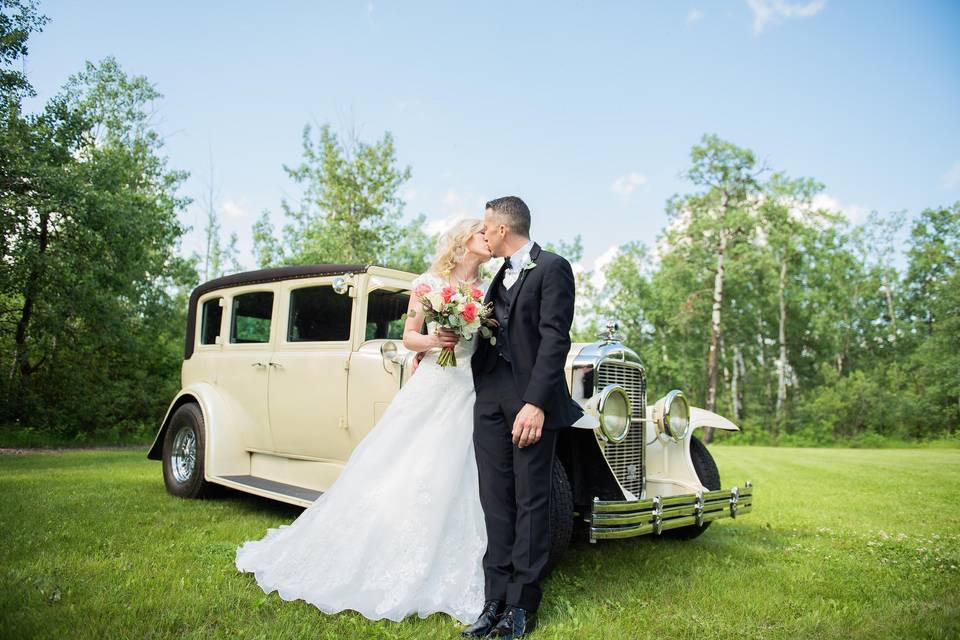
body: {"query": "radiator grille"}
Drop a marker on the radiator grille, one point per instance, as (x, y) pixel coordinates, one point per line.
(627, 458)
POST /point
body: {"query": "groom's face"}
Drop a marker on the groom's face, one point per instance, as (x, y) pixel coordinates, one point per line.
(493, 232)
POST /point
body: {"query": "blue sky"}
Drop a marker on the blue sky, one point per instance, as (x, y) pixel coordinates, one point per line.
(587, 110)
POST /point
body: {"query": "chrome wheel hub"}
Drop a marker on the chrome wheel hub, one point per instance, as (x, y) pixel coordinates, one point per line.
(183, 457)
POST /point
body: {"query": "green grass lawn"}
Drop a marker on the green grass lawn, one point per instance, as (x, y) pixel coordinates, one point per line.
(840, 544)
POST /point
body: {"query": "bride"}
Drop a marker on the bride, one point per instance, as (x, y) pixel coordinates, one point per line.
(401, 531)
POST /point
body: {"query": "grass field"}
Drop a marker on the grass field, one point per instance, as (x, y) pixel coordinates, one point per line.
(840, 544)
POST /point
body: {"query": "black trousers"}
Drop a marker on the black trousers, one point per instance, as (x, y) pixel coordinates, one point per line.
(514, 493)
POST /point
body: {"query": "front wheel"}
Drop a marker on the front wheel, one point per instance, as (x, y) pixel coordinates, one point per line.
(183, 447)
(561, 513)
(709, 477)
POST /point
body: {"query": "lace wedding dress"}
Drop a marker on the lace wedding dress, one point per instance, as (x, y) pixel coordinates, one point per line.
(401, 531)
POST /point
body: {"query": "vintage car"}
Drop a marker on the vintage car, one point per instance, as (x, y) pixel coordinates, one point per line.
(285, 370)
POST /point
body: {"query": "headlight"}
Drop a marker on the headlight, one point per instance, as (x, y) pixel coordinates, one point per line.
(612, 407)
(671, 414)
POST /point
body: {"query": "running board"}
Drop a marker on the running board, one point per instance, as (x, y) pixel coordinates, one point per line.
(292, 493)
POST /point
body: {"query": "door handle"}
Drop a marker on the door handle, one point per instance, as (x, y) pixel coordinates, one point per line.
(257, 364)
(276, 364)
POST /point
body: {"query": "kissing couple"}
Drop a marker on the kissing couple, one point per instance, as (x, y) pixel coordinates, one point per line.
(445, 505)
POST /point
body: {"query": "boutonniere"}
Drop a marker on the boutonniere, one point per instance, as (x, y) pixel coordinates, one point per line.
(528, 266)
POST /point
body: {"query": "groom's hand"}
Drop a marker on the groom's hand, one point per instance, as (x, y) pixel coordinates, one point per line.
(527, 425)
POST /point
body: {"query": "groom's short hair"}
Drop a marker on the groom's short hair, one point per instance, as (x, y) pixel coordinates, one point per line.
(514, 212)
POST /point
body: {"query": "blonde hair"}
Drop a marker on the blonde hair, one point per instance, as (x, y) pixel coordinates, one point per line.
(452, 245)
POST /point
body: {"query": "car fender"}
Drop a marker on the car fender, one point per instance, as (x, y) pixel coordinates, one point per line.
(206, 396)
(703, 418)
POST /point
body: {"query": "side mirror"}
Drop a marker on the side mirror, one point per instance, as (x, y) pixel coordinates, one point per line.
(390, 354)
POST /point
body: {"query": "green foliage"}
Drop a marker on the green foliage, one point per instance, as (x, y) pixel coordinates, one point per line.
(350, 209)
(818, 337)
(91, 285)
(17, 21)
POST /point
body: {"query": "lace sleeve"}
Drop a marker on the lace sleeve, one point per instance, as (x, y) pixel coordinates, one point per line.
(426, 277)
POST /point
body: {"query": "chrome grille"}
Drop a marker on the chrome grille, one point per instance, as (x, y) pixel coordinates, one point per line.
(627, 458)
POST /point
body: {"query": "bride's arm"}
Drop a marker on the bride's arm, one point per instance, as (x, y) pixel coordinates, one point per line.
(416, 341)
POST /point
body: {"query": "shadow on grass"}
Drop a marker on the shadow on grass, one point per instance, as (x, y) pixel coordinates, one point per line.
(250, 503)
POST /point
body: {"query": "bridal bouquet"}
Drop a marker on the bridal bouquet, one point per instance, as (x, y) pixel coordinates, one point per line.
(460, 309)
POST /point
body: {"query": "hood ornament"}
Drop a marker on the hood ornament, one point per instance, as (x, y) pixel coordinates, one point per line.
(611, 333)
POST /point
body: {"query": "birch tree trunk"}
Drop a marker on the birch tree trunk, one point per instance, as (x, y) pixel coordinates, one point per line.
(888, 292)
(782, 337)
(715, 326)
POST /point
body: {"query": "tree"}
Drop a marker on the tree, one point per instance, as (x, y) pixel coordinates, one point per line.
(17, 21)
(789, 220)
(351, 204)
(90, 222)
(711, 224)
(933, 289)
(217, 259)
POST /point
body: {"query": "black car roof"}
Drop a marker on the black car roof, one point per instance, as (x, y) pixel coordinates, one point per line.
(255, 277)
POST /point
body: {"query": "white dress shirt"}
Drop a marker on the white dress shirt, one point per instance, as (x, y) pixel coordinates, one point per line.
(517, 261)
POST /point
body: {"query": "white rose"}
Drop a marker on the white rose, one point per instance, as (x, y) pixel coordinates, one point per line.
(436, 300)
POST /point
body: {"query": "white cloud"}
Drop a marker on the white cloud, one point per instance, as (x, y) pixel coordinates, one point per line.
(694, 15)
(855, 213)
(235, 209)
(952, 177)
(625, 185)
(597, 277)
(404, 105)
(462, 204)
(770, 11)
(441, 225)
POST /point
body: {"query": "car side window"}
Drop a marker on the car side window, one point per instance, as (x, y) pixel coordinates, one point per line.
(385, 310)
(250, 317)
(210, 318)
(319, 314)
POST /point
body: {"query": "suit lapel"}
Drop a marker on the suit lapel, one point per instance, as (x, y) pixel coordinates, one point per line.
(515, 289)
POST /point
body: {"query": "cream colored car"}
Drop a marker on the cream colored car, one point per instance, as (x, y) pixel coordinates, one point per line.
(285, 370)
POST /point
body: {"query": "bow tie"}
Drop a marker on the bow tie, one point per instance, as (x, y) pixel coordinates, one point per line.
(507, 263)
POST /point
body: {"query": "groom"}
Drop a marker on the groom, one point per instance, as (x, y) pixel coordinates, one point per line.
(522, 401)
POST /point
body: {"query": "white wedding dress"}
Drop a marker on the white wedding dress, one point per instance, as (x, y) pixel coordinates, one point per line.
(401, 531)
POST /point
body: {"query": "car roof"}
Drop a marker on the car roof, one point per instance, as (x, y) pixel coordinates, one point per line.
(272, 274)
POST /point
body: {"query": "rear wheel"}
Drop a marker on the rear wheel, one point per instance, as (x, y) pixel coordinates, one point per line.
(709, 477)
(561, 513)
(183, 447)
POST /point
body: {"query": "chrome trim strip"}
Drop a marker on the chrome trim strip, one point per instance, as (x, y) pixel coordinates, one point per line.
(611, 519)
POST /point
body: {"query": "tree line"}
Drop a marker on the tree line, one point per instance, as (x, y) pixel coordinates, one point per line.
(756, 300)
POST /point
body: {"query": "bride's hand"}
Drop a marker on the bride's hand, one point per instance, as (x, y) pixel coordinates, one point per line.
(447, 338)
(416, 361)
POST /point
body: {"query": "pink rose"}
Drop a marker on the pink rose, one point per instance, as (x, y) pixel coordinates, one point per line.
(447, 293)
(422, 289)
(469, 312)
(476, 293)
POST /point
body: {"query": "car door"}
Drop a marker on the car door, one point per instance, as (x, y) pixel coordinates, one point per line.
(242, 368)
(308, 373)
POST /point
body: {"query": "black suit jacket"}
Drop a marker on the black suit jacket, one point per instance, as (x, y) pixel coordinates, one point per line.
(540, 317)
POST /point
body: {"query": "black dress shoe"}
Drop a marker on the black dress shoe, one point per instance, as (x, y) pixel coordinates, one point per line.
(492, 610)
(515, 623)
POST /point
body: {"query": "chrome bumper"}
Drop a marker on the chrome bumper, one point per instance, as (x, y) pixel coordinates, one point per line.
(626, 519)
